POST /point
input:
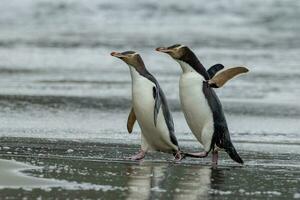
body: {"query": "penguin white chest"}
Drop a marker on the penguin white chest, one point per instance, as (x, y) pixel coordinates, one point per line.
(143, 103)
(195, 107)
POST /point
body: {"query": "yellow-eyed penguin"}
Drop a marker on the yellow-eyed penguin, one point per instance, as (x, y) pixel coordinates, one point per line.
(200, 104)
(149, 109)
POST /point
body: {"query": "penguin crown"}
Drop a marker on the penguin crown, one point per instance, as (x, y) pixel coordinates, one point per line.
(130, 57)
(176, 51)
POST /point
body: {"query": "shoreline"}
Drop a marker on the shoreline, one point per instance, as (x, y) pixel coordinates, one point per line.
(11, 176)
(89, 170)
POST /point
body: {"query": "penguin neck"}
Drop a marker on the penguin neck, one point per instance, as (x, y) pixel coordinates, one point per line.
(134, 74)
(190, 63)
(186, 68)
(139, 74)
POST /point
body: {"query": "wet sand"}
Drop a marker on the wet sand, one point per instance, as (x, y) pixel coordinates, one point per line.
(94, 170)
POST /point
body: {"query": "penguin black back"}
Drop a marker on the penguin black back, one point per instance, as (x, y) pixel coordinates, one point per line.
(221, 137)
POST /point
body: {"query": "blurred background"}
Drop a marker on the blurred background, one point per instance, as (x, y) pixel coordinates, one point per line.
(58, 80)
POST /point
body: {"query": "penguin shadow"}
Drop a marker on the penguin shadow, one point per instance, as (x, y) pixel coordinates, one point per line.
(167, 181)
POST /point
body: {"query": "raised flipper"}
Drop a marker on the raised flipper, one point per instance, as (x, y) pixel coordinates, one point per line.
(214, 69)
(221, 78)
(131, 120)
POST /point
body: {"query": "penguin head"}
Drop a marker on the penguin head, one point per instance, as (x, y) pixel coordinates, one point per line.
(176, 51)
(131, 58)
(186, 58)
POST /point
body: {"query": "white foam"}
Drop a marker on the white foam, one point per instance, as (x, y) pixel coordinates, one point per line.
(12, 177)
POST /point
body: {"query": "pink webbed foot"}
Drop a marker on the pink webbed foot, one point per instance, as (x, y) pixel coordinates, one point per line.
(197, 155)
(139, 156)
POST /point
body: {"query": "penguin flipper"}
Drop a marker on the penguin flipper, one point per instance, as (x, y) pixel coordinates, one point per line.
(168, 118)
(221, 78)
(214, 69)
(161, 102)
(131, 120)
(157, 103)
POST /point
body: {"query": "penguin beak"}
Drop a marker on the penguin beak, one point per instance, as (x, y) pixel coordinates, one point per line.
(117, 55)
(163, 49)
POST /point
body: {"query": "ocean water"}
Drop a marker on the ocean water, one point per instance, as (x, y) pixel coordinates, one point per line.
(58, 80)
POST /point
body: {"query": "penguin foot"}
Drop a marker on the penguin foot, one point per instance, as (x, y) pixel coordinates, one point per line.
(197, 155)
(178, 156)
(139, 156)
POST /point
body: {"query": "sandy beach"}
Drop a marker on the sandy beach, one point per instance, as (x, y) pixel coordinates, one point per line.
(95, 170)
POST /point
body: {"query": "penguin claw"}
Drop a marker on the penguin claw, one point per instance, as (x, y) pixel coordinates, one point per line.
(178, 156)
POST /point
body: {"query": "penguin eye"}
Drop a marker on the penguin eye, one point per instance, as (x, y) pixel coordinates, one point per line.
(128, 53)
(174, 46)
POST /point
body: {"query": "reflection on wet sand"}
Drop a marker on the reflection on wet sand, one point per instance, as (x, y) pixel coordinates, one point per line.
(168, 181)
(195, 184)
(139, 183)
(145, 180)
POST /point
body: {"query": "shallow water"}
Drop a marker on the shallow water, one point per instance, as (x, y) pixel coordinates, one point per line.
(99, 170)
(12, 177)
(58, 81)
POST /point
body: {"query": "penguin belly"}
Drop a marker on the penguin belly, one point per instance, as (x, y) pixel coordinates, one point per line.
(157, 137)
(196, 109)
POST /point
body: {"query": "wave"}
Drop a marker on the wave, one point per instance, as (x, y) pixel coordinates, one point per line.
(12, 71)
(24, 102)
(148, 40)
(75, 24)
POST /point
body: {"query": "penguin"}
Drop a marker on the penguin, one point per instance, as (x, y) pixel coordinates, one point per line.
(200, 104)
(149, 109)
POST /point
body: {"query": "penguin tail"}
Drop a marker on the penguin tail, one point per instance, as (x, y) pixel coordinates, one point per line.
(234, 155)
